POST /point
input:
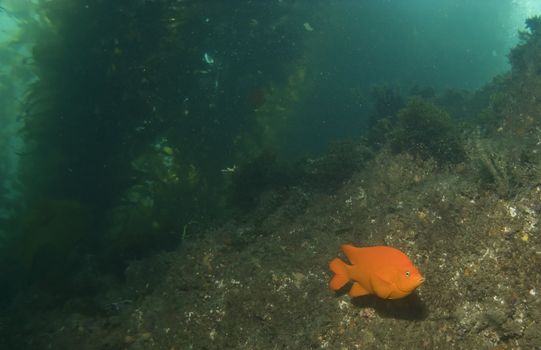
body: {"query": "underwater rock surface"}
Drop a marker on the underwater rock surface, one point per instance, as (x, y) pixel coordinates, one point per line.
(262, 283)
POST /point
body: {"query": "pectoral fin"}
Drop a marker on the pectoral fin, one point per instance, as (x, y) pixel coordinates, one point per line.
(381, 287)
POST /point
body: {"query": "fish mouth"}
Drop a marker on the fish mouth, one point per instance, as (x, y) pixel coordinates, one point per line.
(420, 281)
(409, 290)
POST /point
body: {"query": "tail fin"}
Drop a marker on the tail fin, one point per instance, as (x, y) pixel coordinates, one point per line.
(341, 274)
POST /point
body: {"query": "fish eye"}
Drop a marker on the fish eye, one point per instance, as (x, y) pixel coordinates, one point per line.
(408, 273)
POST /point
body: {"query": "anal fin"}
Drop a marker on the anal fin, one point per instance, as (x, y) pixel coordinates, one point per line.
(357, 290)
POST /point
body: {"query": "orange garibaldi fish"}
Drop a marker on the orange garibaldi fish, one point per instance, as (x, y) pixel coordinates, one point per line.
(384, 271)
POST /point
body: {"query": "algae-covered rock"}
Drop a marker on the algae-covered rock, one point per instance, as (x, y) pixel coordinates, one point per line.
(426, 131)
(524, 57)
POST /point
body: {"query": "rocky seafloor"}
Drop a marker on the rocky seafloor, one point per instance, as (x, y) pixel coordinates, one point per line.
(260, 282)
